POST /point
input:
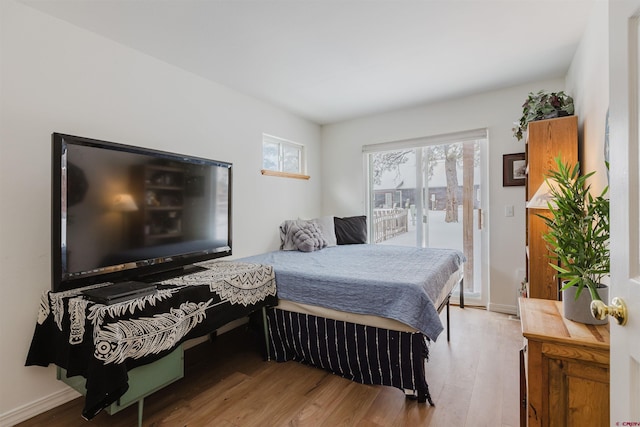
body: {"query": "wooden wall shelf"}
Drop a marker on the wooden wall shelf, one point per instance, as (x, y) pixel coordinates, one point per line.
(284, 174)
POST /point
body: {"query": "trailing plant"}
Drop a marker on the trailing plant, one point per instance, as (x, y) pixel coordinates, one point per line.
(578, 229)
(543, 105)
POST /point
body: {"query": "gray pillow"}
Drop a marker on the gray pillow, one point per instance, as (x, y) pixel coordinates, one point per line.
(286, 234)
(307, 237)
(327, 228)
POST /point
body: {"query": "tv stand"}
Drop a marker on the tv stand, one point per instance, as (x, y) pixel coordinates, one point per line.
(105, 347)
(143, 381)
(172, 273)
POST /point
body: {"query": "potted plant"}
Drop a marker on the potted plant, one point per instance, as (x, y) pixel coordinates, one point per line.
(543, 105)
(578, 237)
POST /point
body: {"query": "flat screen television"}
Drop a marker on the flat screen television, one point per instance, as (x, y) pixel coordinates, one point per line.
(123, 213)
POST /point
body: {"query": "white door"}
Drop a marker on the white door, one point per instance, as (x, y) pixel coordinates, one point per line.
(428, 193)
(624, 122)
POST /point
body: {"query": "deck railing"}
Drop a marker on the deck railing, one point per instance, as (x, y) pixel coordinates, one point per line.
(388, 223)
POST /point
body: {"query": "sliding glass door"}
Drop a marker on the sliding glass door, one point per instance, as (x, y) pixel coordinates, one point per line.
(430, 195)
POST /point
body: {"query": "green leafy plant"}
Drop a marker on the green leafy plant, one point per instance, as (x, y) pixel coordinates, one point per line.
(578, 229)
(543, 105)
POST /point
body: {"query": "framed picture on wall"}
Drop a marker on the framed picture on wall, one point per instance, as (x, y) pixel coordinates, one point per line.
(514, 169)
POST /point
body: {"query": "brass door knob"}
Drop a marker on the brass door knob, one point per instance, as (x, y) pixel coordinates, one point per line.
(617, 309)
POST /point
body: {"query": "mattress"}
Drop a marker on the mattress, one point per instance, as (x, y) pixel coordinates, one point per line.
(366, 319)
(401, 283)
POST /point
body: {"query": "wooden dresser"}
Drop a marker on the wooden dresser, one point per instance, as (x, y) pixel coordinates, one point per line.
(565, 372)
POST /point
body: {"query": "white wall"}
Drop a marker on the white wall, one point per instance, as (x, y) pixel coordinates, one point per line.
(57, 77)
(344, 185)
(588, 83)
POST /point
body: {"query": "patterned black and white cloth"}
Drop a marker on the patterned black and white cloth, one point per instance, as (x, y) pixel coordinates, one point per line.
(102, 342)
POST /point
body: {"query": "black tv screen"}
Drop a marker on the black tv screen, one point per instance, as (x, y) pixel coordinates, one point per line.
(121, 212)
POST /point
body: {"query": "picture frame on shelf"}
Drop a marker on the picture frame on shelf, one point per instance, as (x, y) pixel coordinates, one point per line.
(514, 169)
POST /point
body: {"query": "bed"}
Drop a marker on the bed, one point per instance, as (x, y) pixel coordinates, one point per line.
(362, 311)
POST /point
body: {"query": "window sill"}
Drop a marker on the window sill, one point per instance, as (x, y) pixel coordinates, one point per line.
(284, 174)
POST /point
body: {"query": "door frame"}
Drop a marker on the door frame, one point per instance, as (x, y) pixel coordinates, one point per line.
(484, 220)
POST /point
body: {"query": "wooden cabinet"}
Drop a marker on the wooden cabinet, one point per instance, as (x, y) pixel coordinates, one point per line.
(566, 363)
(546, 139)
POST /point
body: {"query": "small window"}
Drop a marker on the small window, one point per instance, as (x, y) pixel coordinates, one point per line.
(282, 158)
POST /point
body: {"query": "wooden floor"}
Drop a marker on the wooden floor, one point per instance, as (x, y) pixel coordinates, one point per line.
(474, 381)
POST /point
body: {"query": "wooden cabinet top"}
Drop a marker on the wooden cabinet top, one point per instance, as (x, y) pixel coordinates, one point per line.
(542, 320)
(546, 140)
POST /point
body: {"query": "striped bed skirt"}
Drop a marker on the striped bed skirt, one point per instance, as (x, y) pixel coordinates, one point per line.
(360, 353)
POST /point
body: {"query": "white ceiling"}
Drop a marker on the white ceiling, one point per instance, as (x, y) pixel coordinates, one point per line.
(332, 60)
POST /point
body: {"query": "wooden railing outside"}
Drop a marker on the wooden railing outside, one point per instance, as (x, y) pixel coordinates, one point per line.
(388, 223)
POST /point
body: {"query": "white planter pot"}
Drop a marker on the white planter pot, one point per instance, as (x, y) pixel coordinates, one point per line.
(580, 310)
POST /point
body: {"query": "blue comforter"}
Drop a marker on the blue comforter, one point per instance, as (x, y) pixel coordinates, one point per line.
(396, 282)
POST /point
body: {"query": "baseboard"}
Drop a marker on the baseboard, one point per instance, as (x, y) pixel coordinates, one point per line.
(503, 308)
(37, 407)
